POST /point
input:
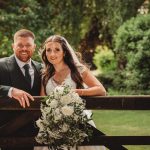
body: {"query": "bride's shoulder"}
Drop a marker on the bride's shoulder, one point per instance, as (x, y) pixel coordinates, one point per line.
(81, 68)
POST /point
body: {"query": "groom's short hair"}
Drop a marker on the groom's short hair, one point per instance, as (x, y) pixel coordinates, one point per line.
(24, 33)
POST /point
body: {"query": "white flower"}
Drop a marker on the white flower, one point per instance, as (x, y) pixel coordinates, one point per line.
(78, 100)
(66, 99)
(57, 118)
(58, 90)
(67, 110)
(65, 128)
(83, 134)
(54, 134)
(39, 123)
(57, 115)
(48, 101)
(57, 111)
(45, 111)
(75, 97)
(53, 104)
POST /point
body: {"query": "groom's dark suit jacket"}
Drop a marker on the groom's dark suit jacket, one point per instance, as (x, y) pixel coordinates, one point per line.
(12, 76)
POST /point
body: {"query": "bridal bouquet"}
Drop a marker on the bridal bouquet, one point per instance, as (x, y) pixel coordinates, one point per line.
(63, 123)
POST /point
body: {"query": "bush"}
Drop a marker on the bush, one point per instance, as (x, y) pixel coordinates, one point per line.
(106, 80)
(5, 46)
(104, 59)
(132, 47)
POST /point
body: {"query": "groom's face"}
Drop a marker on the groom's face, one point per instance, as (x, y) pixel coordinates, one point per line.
(23, 48)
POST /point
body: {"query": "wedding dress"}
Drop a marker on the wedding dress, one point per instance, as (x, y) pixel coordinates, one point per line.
(51, 85)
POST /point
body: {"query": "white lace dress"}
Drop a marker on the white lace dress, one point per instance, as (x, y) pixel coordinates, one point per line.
(51, 85)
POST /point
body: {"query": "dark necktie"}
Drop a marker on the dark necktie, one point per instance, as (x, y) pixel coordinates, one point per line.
(27, 75)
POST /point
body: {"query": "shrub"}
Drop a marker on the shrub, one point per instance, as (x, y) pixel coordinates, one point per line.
(104, 59)
(132, 47)
(5, 46)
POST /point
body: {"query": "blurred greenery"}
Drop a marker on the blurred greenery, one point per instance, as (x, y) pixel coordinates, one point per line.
(132, 49)
(104, 59)
(84, 23)
(128, 66)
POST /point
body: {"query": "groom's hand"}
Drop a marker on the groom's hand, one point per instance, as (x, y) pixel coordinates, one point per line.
(22, 96)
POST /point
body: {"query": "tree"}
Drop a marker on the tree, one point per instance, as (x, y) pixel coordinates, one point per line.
(106, 17)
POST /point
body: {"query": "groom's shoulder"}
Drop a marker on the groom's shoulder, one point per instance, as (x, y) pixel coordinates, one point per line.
(9, 59)
(4, 60)
(37, 64)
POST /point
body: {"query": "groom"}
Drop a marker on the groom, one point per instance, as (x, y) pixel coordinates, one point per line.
(15, 80)
(19, 74)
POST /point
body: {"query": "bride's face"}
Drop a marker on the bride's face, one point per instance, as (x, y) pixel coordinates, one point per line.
(54, 53)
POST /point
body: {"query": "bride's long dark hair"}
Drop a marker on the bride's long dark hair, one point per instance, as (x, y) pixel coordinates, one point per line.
(49, 70)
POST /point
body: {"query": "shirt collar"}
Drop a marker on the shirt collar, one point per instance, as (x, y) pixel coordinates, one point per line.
(21, 63)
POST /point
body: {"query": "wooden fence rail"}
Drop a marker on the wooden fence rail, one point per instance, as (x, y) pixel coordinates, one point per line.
(17, 129)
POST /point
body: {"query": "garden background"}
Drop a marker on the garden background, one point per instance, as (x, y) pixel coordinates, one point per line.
(112, 36)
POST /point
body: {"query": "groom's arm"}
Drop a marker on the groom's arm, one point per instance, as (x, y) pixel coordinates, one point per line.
(4, 90)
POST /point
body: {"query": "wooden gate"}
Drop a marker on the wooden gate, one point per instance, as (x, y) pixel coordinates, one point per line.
(17, 125)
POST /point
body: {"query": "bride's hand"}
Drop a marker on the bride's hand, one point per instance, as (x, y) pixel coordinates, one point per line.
(79, 91)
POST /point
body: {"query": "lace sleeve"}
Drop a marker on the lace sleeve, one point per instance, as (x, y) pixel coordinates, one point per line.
(81, 69)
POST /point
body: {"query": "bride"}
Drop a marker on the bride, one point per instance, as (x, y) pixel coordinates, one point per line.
(63, 67)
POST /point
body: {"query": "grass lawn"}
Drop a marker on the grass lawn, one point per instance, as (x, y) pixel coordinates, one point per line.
(124, 122)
